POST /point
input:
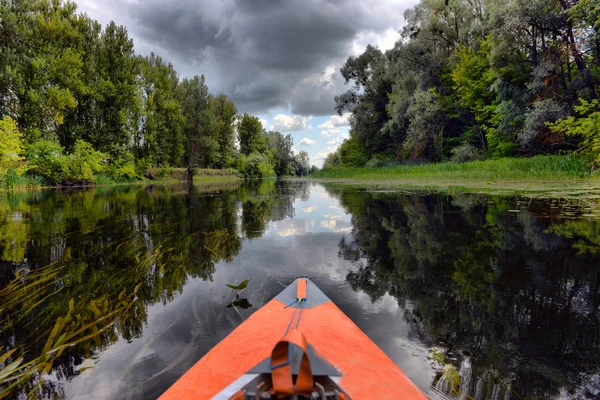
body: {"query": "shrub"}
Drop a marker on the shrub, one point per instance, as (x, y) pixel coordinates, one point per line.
(254, 166)
(543, 112)
(466, 152)
(46, 158)
(10, 142)
(375, 162)
(142, 166)
(84, 163)
(585, 124)
(332, 160)
(209, 172)
(352, 153)
(123, 167)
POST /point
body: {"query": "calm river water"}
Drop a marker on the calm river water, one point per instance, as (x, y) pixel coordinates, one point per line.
(113, 293)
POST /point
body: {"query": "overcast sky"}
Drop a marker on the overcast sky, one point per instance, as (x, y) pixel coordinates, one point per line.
(276, 59)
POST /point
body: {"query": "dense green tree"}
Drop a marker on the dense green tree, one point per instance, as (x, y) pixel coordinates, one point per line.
(160, 138)
(199, 121)
(301, 163)
(64, 78)
(41, 67)
(482, 75)
(281, 146)
(119, 107)
(226, 113)
(251, 136)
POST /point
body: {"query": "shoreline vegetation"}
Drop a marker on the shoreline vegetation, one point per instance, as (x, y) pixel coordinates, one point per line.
(79, 107)
(505, 90)
(556, 175)
(154, 176)
(158, 176)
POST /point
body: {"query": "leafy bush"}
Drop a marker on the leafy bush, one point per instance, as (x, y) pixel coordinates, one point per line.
(585, 125)
(543, 112)
(254, 166)
(142, 166)
(351, 153)
(84, 163)
(332, 160)
(466, 152)
(375, 162)
(123, 167)
(10, 142)
(46, 158)
(215, 172)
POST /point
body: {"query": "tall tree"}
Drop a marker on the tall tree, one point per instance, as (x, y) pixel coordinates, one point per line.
(199, 120)
(226, 113)
(119, 104)
(251, 136)
(282, 152)
(159, 140)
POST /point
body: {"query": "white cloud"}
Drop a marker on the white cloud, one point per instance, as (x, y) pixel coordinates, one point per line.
(264, 122)
(307, 142)
(337, 226)
(287, 123)
(336, 121)
(383, 40)
(338, 140)
(330, 132)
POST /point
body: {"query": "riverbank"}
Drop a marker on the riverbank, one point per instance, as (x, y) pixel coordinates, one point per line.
(150, 177)
(540, 174)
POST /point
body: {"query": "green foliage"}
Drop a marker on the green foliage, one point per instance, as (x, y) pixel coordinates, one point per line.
(301, 163)
(46, 158)
(281, 146)
(84, 163)
(466, 152)
(538, 168)
(123, 167)
(18, 179)
(254, 166)
(200, 122)
(332, 160)
(160, 140)
(66, 79)
(487, 74)
(222, 172)
(225, 114)
(351, 153)
(473, 79)
(251, 136)
(11, 146)
(585, 124)
(241, 286)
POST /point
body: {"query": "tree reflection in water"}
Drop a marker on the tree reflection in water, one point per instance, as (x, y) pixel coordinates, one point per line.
(105, 247)
(514, 296)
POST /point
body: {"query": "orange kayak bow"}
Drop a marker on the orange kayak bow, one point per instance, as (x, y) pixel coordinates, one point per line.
(298, 344)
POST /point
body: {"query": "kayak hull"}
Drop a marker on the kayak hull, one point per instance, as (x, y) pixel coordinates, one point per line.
(366, 371)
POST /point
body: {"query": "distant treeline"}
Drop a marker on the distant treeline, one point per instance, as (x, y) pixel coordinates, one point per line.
(471, 79)
(76, 104)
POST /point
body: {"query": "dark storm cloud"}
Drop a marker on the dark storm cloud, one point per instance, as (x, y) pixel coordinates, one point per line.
(262, 53)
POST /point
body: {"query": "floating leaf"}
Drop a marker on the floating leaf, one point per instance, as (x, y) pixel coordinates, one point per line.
(241, 286)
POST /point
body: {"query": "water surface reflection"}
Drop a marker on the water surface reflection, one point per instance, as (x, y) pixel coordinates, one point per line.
(485, 297)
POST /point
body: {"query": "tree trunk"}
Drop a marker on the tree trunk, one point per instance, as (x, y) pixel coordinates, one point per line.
(583, 71)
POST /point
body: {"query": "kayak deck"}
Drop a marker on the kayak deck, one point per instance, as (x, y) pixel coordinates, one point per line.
(366, 371)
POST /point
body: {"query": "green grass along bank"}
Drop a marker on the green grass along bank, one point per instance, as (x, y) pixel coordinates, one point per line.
(12, 180)
(518, 173)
